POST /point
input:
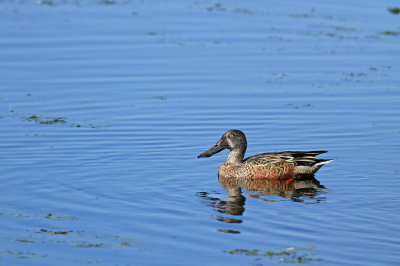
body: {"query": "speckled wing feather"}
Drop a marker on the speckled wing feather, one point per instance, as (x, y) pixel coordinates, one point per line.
(286, 156)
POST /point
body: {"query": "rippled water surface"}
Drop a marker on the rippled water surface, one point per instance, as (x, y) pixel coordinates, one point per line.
(105, 105)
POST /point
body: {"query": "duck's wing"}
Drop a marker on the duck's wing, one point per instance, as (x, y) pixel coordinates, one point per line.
(304, 161)
(306, 158)
(265, 158)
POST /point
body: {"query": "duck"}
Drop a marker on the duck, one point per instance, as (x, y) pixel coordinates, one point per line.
(275, 165)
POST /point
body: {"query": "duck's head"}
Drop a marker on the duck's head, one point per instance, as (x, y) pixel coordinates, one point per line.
(232, 140)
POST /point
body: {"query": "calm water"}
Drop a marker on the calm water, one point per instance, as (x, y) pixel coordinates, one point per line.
(105, 105)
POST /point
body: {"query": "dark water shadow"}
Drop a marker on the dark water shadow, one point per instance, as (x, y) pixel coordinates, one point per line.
(305, 189)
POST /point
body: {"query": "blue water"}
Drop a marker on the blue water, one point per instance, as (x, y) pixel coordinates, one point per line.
(105, 105)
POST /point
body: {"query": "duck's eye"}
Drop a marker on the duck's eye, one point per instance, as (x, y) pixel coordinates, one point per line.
(231, 136)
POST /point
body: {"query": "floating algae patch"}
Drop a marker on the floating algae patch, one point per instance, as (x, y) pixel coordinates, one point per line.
(391, 33)
(116, 241)
(220, 7)
(229, 231)
(334, 27)
(61, 232)
(20, 254)
(24, 241)
(46, 120)
(47, 216)
(58, 232)
(60, 217)
(216, 7)
(243, 11)
(248, 252)
(82, 239)
(162, 98)
(44, 3)
(289, 255)
(33, 135)
(123, 243)
(394, 10)
(300, 15)
(52, 120)
(108, 2)
(341, 28)
(14, 215)
(351, 74)
(88, 245)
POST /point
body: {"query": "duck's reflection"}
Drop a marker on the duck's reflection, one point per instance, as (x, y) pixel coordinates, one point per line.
(302, 189)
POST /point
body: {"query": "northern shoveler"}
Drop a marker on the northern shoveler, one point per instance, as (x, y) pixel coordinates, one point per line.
(279, 165)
